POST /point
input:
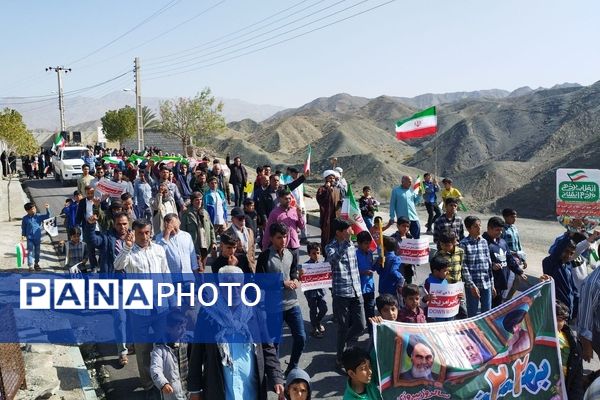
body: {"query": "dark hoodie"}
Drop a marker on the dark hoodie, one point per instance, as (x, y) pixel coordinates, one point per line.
(295, 375)
(183, 181)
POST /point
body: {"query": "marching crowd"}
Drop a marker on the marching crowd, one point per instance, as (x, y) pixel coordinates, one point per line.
(181, 217)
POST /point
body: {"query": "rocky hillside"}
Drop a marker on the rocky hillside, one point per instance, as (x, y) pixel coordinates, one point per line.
(501, 148)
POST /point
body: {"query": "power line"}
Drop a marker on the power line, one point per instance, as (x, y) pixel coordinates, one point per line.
(67, 93)
(153, 77)
(152, 16)
(265, 33)
(205, 11)
(170, 57)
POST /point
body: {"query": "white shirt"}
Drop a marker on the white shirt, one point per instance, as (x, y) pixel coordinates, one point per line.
(242, 235)
(148, 260)
(219, 212)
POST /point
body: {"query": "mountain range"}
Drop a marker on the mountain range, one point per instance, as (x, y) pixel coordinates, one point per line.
(88, 110)
(501, 148)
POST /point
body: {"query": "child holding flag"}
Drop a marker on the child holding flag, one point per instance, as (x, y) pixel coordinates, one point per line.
(31, 231)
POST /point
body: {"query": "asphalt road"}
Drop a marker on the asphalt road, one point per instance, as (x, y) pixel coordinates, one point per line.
(119, 383)
(318, 358)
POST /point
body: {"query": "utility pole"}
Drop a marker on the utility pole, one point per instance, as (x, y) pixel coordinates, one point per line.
(138, 104)
(61, 100)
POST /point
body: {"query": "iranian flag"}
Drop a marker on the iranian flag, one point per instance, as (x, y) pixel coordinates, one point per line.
(307, 163)
(21, 251)
(577, 175)
(417, 184)
(59, 142)
(421, 124)
(351, 213)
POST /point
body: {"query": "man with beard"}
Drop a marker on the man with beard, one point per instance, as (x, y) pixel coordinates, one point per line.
(330, 201)
(470, 349)
(421, 356)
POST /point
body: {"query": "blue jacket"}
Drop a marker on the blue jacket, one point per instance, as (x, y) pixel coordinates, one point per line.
(564, 285)
(70, 214)
(209, 205)
(31, 225)
(365, 263)
(430, 190)
(390, 277)
(105, 243)
(500, 254)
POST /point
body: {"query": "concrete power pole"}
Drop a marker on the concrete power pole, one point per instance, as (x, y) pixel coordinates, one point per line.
(138, 104)
(61, 100)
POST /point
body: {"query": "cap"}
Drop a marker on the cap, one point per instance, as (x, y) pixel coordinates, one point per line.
(237, 212)
(339, 169)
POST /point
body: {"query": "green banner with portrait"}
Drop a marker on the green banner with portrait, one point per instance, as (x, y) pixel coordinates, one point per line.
(509, 352)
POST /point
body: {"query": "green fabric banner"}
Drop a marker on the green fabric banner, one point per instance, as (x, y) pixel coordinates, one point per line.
(510, 352)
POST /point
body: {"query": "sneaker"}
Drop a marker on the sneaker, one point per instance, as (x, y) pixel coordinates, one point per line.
(321, 329)
(30, 268)
(37, 267)
(429, 232)
(316, 333)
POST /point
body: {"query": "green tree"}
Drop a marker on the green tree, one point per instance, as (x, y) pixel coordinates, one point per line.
(17, 139)
(149, 119)
(192, 118)
(119, 124)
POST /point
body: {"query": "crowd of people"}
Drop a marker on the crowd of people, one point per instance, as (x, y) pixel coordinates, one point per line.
(180, 217)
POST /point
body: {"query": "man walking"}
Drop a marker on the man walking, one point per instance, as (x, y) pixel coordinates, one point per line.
(403, 204)
(238, 178)
(430, 199)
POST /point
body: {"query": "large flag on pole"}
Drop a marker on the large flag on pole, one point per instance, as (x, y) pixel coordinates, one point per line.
(59, 142)
(351, 213)
(307, 163)
(421, 124)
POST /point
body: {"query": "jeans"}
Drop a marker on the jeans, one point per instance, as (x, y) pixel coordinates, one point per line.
(119, 326)
(238, 193)
(293, 319)
(473, 303)
(369, 307)
(33, 251)
(91, 249)
(350, 315)
(431, 209)
(415, 229)
(141, 325)
(318, 309)
(368, 221)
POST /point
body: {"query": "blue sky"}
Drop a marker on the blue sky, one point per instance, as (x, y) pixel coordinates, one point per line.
(404, 48)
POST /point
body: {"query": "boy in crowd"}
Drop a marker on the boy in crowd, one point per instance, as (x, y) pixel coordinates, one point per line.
(229, 245)
(403, 226)
(280, 260)
(169, 360)
(449, 221)
(360, 385)
(502, 261)
(570, 354)
(411, 312)
(431, 187)
(315, 297)
(558, 266)
(456, 271)
(387, 307)
(368, 206)
(31, 231)
(251, 217)
(390, 278)
(511, 236)
(75, 252)
(374, 230)
(449, 190)
(479, 265)
(69, 211)
(297, 385)
(366, 266)
(439, 271)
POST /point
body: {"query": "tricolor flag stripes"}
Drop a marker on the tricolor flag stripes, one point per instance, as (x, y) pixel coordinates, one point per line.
(351, 213)
(307, 163)
(421, 124)
(21, 251)
(59, 142)
(577, 175)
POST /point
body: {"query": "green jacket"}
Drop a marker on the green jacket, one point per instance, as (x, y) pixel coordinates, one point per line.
(372, 392)
(198, 225)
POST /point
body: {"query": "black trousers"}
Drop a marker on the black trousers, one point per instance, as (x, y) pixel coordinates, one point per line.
(431, 209)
